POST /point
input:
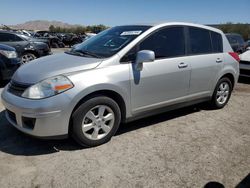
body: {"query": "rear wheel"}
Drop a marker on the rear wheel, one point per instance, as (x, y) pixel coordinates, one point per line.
(221, 93)
(27, 56)
(96, 121)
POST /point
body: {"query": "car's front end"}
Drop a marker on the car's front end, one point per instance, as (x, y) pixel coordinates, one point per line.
(47, 117)
(40, 96)
(43, 94)
(9, 62)
(41, 48)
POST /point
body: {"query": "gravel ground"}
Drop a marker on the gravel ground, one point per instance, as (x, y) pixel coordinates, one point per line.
(184, 148)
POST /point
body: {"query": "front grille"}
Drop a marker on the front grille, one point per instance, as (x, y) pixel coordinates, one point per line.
(17, 88)
(12, 116)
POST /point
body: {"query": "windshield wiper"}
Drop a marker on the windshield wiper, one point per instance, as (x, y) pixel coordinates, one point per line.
(88, 53)
(75, 53)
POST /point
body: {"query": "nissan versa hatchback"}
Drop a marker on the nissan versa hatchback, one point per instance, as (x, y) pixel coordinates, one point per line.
(122, 74)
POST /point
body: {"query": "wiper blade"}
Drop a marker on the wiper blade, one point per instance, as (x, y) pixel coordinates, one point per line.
(75, 53)
(89, 54)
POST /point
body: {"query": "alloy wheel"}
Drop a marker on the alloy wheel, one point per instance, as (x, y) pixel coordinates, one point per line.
(98, 122)
(222, 93)
(27, 57)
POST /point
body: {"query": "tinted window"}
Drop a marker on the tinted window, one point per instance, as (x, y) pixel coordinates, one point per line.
(168, 42)
(200, 42)
(8, 37)
(216, 42)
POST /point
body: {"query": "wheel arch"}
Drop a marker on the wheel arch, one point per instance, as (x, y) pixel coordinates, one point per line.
(230, 76)
(108, 93)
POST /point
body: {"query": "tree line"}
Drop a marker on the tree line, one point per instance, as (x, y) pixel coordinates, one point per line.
(240, 28)
(78, 29)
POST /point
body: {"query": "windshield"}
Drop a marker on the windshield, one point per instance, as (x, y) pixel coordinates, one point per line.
(24, 37)
(109, 42)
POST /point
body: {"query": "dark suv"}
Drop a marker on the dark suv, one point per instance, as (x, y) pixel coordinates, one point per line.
(8, 62)
(237, 42)
(26, 47)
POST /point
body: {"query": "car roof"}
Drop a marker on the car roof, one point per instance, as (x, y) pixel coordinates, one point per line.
(162, 24)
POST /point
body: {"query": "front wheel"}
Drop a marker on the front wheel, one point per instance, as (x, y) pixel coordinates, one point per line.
(221, 93)
(96, 121)
(27, 56)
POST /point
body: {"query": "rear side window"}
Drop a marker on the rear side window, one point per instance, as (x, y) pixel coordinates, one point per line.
(216, 42)
(7, 37)
(167, 42)
(200, 42)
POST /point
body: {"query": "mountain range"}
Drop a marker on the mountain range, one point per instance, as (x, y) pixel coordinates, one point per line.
(41, 25)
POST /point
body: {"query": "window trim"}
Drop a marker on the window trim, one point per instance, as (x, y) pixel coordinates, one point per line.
(153, 32)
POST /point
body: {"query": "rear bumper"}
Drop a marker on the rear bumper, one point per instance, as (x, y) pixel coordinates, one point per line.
(245, 70)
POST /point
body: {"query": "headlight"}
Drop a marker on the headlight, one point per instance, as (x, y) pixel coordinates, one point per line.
(47, 88)
(9, 54)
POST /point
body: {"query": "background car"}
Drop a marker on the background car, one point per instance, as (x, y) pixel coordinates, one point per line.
(245, 64)
(54, 40)
(27, 48)
(248, 45)
(9, 62)
(237, 42)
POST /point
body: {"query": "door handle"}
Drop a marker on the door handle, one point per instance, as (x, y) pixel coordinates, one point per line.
(218, 60)
(182, 65)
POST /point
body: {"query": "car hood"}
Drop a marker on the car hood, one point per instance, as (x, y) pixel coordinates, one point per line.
(245, 56)
(53, 65)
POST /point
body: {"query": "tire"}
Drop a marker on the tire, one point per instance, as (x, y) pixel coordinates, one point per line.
(27, 57)
(61, 45)
(222, 93)
(91, 129)
(54, 45)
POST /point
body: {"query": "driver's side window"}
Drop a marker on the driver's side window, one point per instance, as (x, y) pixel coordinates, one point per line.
(165, 43)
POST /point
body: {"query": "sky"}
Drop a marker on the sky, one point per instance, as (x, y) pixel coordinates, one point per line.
(119, 12)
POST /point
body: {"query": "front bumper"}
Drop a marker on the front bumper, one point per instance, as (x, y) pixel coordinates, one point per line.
(40, 118)
(9, 68)
(44, 52)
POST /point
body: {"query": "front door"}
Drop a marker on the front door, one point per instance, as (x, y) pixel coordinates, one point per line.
(166, 80)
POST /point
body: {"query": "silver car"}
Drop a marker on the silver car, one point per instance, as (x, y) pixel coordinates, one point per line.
(122, 74)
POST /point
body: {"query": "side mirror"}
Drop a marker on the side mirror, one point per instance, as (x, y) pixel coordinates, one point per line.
(143, 56)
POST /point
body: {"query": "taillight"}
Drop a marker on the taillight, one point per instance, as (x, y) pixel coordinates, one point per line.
(235, 56)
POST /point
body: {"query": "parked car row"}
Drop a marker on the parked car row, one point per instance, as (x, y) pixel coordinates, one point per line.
(59, 40)
(27, 48)
(20, 47)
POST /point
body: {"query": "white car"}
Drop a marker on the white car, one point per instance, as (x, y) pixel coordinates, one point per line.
(245, 64)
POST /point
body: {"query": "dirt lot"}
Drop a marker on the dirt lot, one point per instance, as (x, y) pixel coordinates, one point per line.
(184, 148)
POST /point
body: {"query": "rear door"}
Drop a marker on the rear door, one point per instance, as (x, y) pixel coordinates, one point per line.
(206, 59)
